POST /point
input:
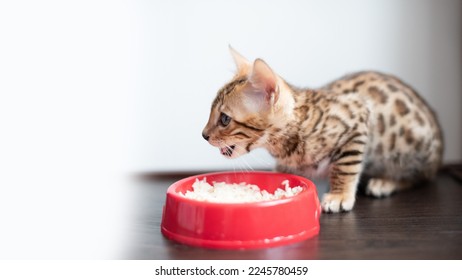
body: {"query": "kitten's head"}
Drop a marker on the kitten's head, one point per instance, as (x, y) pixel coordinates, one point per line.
(243, 109)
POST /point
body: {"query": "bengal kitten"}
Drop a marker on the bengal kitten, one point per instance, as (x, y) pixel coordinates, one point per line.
(365, 124)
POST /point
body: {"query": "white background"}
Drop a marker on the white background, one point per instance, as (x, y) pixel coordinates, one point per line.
(91, 91)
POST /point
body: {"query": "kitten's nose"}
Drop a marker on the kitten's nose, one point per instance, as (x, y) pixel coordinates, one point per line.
(206, 137)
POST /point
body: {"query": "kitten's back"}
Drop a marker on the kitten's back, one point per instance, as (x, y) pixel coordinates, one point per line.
(405, 133)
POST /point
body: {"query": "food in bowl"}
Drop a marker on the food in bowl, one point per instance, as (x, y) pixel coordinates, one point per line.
(221, 192)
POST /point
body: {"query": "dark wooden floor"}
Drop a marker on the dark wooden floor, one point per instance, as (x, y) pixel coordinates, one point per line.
(423, 223)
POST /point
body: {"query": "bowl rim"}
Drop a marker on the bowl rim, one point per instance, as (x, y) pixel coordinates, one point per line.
(306, 190)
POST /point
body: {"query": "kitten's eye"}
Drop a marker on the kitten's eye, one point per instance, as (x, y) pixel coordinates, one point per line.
(224, 119)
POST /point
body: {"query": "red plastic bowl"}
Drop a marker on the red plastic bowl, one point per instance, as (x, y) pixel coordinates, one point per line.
(242, 225)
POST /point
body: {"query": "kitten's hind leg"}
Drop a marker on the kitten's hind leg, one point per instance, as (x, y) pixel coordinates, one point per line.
(379, 187)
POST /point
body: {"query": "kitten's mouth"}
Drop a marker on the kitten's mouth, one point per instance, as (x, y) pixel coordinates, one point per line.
(228, 150)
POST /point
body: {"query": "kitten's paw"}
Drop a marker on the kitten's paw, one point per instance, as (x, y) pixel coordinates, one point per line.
(334, 203)
(381, 187)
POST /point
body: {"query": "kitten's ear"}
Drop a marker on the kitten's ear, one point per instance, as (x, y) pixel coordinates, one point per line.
(264, 81)
(242, 64)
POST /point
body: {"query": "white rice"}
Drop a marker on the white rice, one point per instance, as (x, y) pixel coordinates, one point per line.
(237, 193)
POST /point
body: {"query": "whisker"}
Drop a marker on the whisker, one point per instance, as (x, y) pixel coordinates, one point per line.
(266, 163)
(246, 163)
(242, 167)
(234, 167)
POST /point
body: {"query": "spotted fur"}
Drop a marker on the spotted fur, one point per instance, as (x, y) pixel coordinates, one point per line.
(366, 124)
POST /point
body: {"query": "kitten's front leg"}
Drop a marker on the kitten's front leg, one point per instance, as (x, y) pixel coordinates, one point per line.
(344, 175)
